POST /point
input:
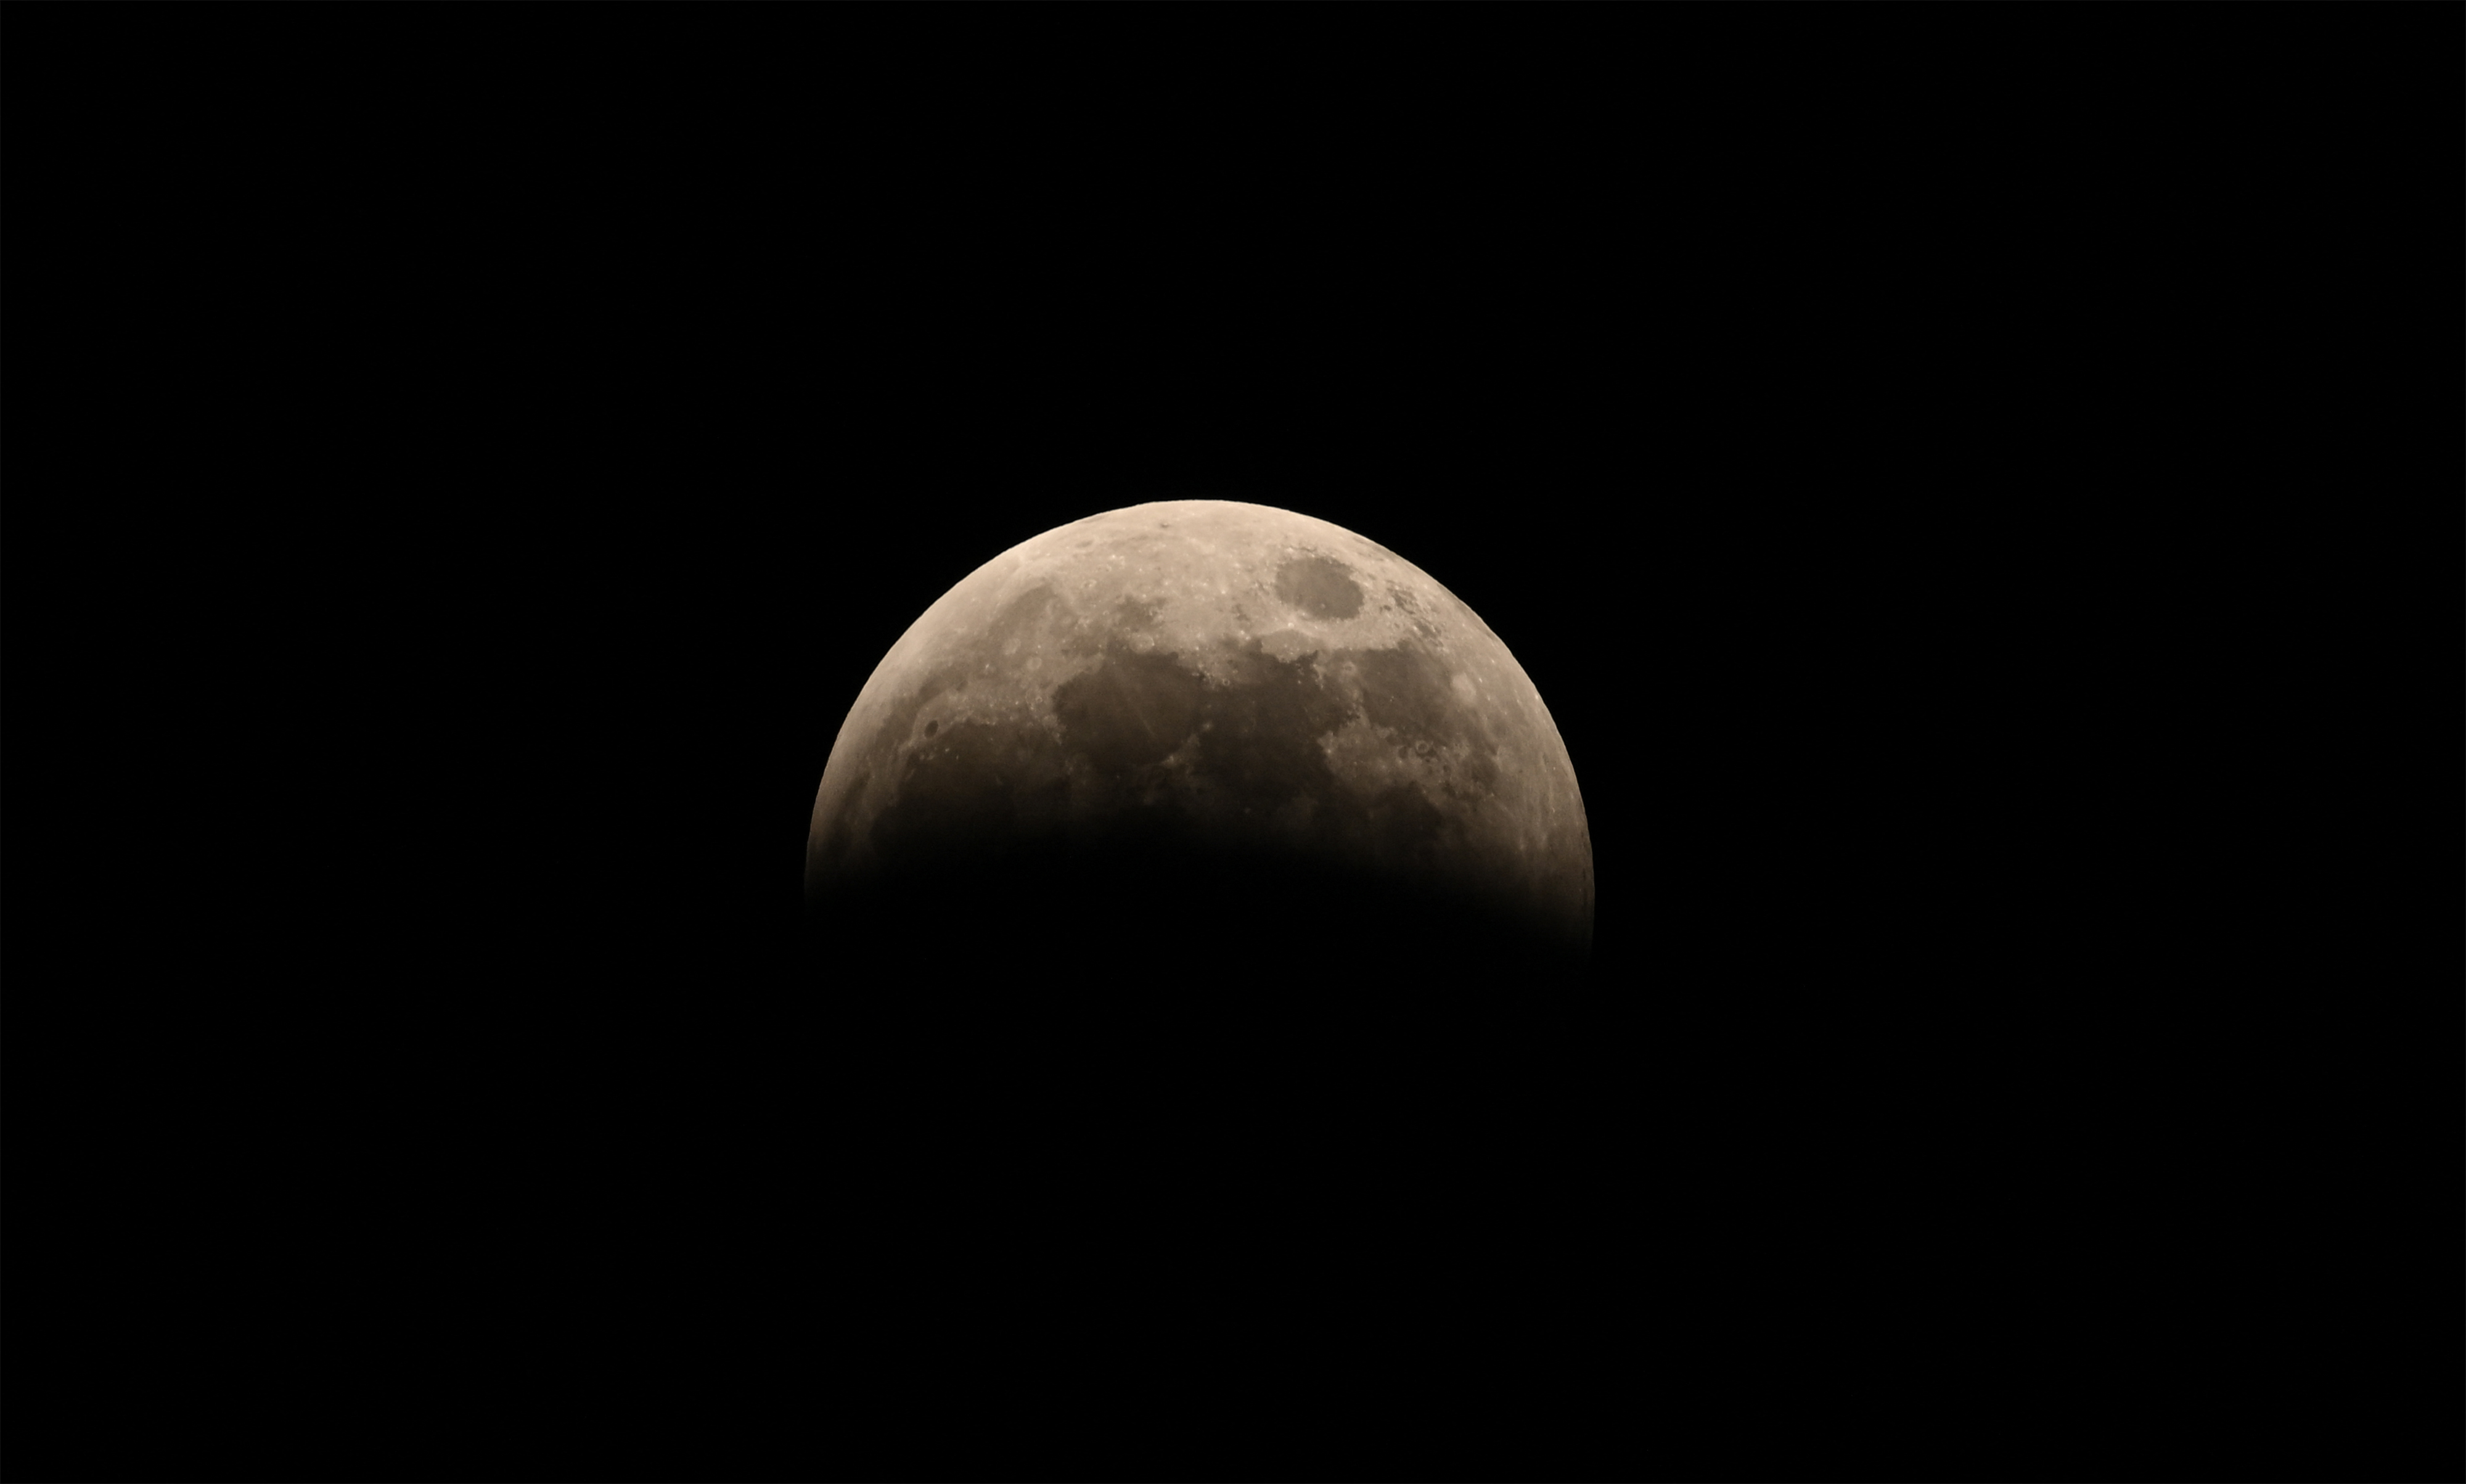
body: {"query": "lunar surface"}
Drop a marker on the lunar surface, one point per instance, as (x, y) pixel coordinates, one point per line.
(1210, 680)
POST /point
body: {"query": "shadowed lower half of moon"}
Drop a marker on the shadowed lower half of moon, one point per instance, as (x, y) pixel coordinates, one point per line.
(1202, 742)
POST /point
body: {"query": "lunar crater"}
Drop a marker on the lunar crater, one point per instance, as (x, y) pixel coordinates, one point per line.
(1319, 586)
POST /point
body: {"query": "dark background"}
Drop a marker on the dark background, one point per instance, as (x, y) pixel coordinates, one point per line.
(490, 474)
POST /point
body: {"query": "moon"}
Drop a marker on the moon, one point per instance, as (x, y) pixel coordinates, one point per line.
(1194, 853)
(1219, 692)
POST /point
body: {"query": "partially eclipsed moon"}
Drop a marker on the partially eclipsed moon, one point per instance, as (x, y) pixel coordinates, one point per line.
(1215, 675)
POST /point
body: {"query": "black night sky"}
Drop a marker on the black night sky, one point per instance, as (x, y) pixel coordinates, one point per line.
(1818, 439)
